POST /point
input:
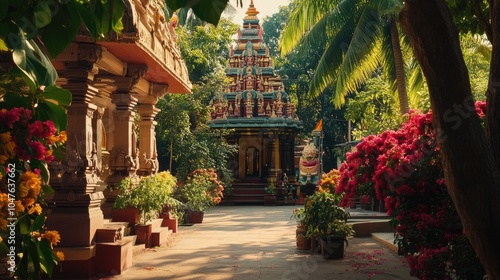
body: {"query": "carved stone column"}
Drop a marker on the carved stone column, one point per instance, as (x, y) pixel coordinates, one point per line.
(148, 159)
(123, 160)
(124, 156)
(77, 213)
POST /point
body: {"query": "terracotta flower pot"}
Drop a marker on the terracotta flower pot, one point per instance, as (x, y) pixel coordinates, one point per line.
(196, 217)
(129, 214)
(332, 247)
(169, 222)
(143, 233)
(302, 242)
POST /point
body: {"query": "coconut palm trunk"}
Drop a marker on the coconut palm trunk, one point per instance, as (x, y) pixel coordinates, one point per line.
(400, 70)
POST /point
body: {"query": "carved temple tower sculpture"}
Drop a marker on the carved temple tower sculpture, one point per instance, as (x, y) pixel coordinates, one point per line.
(258, 108)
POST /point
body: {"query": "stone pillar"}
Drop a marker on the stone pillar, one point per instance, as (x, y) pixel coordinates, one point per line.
(272, 150)
(124, 156)
(277, 151)
(124, 160)
(77, 213)
(148, 158)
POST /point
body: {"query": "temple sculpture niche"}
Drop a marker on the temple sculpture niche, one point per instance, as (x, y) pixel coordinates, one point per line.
(258, 109)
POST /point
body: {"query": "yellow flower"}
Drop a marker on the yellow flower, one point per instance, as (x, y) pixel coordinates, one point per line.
(23, 189)
(19, 207)
(52, 236)
(4, 200)
(31, 184)
(60, 256)
(51, 140)
(62, 137)
(7, 147)
(28, 201)
(35, 209)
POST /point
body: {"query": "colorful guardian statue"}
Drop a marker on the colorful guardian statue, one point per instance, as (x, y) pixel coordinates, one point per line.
(309, 165)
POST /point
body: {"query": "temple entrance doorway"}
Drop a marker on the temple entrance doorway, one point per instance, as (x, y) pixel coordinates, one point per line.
(252, 165)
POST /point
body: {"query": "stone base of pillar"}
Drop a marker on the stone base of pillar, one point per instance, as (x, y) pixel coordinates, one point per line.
(107, 206)
(79, 263)
(114, 257)
(77, 226)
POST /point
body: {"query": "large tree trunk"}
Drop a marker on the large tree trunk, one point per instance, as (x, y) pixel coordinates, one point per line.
(493, 93)
(471, 173)
(404, 108)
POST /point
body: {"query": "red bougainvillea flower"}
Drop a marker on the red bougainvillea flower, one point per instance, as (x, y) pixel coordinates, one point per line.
(404, 168)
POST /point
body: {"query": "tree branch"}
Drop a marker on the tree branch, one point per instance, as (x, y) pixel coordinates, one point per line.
(482, 19)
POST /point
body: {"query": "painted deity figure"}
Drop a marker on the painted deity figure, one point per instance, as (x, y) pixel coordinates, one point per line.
(237, 104)
(249, 85)
(249, 105)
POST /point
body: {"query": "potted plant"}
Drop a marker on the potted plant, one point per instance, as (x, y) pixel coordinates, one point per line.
(148, 196)
(302, 241)
(327, 221)
(172, 212)
(201, 191)
(270, 195)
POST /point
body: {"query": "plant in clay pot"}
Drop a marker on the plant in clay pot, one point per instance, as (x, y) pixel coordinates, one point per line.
(302, 242)
(325, 219)
(201, 191)
(148, 195)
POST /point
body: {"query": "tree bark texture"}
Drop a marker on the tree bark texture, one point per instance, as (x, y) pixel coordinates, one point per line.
(471, 173)
(493, 92)
(404, 108)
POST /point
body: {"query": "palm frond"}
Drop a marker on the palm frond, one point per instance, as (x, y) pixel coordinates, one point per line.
(325, 73)
(359, 53)
(416, 79)
(301, 28)
(302, 18)
(386, 7)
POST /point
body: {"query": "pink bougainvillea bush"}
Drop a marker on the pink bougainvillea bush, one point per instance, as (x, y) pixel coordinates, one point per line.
(404, 168)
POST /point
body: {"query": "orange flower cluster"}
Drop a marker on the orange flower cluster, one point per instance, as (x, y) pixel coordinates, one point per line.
(329, 181)
(52, 236)
(213, 187)
(7, 147)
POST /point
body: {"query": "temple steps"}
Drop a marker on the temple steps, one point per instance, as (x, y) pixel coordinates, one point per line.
(115, 245)
(248, 192)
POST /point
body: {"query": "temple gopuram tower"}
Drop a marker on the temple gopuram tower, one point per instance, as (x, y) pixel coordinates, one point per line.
(257, 108)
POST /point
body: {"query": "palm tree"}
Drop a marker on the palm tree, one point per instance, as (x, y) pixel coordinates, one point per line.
(361, 36)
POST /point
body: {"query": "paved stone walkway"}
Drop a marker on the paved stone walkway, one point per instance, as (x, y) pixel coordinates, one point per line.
(258, 242)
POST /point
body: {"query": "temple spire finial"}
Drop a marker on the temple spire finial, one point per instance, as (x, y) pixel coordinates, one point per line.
(252, 11)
